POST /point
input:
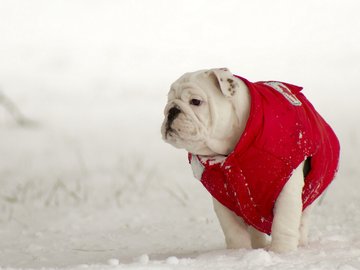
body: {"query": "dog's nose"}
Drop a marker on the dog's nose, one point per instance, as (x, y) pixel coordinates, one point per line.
(172, 114)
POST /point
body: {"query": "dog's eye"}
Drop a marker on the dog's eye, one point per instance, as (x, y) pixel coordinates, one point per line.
(195, 102)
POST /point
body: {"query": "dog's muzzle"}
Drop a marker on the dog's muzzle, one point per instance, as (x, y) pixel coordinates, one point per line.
(172, 114)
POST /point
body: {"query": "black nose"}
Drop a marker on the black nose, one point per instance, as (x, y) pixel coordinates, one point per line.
(172, 114)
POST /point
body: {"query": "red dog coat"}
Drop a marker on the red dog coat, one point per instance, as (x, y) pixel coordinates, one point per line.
(282, 131)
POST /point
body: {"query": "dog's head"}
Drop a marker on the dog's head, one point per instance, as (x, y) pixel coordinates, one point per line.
(206, 112)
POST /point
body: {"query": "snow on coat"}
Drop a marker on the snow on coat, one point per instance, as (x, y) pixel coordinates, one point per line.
(282, 131)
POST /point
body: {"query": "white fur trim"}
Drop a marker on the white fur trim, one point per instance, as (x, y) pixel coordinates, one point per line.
(197, 167)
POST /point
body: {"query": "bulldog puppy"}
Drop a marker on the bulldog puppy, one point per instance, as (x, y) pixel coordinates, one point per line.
(231, 131)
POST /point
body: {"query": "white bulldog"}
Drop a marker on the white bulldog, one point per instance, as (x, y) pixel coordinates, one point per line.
(206, 114)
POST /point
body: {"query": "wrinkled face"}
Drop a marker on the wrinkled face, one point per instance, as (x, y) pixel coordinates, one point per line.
(199, 116)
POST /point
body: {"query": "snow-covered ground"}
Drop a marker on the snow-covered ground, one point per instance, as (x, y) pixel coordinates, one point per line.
(91, 185)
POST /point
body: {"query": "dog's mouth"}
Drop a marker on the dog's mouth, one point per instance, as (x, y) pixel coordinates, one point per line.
(170, 133)
(186, 137)
(172, 114)
(181, 128)
(175, 135)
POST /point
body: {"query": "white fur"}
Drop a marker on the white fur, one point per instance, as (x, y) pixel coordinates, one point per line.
(214, 128)
(200, 130)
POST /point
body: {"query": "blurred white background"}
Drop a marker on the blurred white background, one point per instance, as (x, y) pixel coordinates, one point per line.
(94, 46)
(65, 54)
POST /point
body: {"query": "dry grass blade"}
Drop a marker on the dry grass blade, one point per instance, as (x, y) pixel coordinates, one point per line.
(14, 111)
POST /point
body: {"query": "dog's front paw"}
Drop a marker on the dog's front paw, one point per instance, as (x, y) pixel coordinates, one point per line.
(303, 240)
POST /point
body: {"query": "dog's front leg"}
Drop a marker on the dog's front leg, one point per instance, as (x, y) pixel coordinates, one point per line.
(287, 214)
(258, 239)
(234, 228)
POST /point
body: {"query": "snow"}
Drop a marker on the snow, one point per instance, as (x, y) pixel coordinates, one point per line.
(172, 260)
(92, 186)
(113, 262)
(143, 259)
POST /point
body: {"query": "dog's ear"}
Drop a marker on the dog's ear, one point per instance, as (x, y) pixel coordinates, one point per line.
(225, 81)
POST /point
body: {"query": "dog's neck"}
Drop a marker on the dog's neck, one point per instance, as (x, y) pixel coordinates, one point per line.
(224, 144)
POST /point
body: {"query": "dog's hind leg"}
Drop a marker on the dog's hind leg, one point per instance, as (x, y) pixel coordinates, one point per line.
(287, 214)
(304, 225)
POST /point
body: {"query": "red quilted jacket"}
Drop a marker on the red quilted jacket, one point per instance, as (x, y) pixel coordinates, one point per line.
(282, 131)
